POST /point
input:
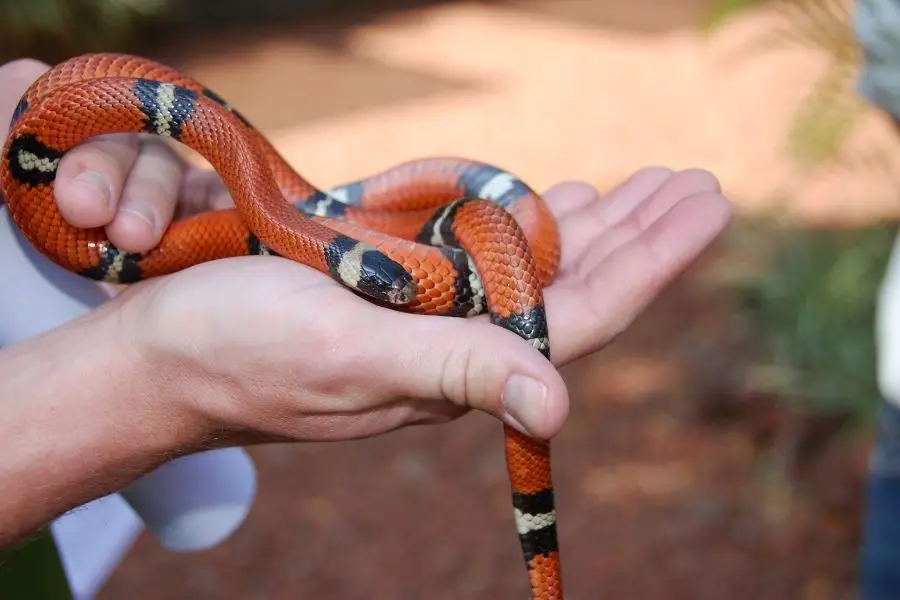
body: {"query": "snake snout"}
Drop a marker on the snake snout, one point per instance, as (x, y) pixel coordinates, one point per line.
(403, 290)
(385, 280)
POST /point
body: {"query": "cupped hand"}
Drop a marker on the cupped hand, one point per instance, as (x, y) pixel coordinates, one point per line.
(268, 349)
(132, 185)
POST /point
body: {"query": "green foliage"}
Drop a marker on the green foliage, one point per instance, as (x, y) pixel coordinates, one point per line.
(826, 117)
(33, 571)
(721, 11)
(813, 304)
(809, 307)
(53, 29)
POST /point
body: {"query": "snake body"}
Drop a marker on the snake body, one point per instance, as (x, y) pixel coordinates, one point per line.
(437, 236)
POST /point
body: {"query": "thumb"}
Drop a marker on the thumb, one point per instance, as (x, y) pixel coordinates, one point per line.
(475, 364)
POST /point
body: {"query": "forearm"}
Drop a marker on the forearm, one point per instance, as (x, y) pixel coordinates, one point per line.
(81, 415)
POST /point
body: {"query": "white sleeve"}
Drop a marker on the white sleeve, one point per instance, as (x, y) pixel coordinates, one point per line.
(877, 28)
(189, 504)
(887, 329)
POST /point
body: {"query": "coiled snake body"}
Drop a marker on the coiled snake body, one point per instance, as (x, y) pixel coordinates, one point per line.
(438, 236)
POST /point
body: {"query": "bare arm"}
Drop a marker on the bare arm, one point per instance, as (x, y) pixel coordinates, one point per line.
(81, 417)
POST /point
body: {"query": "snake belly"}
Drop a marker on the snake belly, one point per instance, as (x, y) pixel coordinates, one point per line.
(437, 236)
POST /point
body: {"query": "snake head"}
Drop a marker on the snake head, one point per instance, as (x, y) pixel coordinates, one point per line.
(369, 271)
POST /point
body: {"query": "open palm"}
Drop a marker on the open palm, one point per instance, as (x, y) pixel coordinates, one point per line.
(283, 325)
(621, 249)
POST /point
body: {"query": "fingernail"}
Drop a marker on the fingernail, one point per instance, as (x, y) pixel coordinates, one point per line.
(524, 401)
(97, 185)
(141, 211)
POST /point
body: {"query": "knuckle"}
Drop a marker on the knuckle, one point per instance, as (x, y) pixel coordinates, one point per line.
(108, 155)
(456, 376)
(467, 377)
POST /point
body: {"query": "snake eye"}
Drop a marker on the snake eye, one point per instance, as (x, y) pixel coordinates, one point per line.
(385, 279)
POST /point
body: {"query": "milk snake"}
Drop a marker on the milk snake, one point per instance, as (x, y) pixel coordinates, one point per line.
(437, 236)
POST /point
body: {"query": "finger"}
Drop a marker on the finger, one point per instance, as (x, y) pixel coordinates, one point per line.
(474, 364)
(667, 246)
(583, 226)
(569, 196)
(672, 190)
(620, 287)
(91, 177)
(600, 228)
(622, 200)
(15, 77)
(148, 198)
(202, 190)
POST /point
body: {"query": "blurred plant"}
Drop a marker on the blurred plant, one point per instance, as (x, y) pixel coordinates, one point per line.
(831, 109)
(720, 11)
(808, 308)
(827, 115)
(53, 29)
(33, 570)
(806, 304)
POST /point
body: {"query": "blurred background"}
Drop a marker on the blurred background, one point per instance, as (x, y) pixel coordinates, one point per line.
(719, 448)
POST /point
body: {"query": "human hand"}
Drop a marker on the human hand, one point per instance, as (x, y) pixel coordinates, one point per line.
(132, 185)
(268, 349)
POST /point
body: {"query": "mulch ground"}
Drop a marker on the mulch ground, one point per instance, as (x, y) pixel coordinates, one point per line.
(668, 487)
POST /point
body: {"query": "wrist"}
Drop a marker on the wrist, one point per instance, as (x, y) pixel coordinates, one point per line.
(196, 363)
(83, 416)
(145, 389)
